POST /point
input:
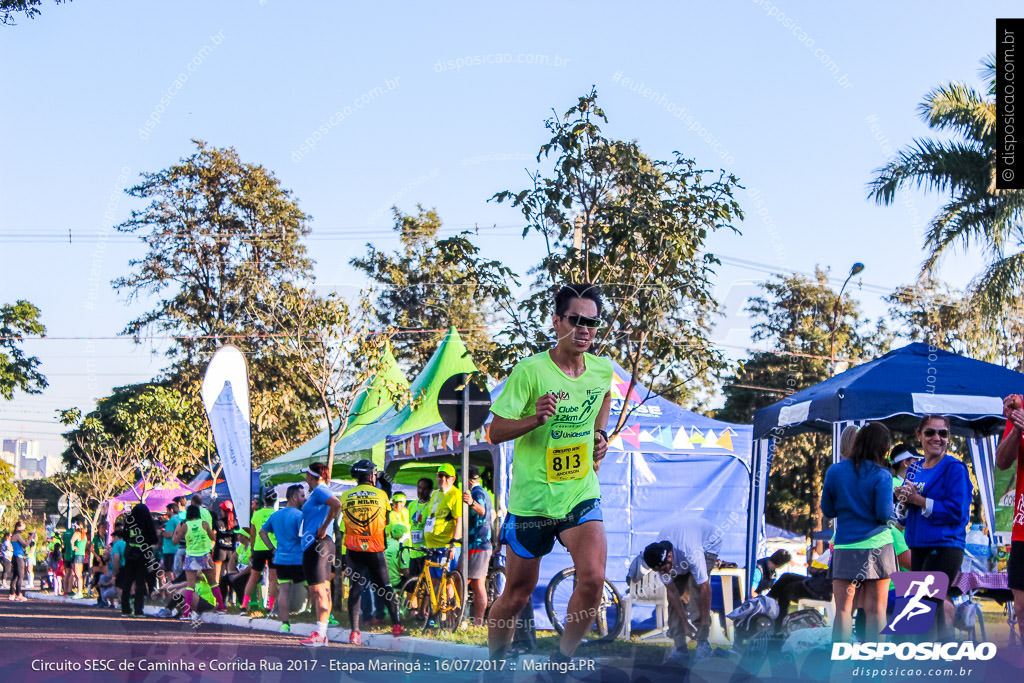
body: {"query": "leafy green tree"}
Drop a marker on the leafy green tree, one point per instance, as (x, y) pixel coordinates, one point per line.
(433, 284)
(794, 318)
(12, 500)
(934, 312)
(335, 349)
(637, 227)
(18, 371)
(963, 169)
(223, 238)
(164, 424)
(9, 9)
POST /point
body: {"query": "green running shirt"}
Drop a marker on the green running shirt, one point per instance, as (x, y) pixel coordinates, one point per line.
(259, 518)
(553, 465)
(197, 542)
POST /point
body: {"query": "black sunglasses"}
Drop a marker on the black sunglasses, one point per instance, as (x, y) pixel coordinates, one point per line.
(583, 321)
(944, 433)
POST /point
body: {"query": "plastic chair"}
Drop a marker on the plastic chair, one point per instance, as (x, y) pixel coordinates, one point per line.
(827, 606)
(648, 590)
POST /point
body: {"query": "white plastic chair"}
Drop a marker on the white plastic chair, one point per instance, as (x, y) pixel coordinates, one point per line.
(646, 590)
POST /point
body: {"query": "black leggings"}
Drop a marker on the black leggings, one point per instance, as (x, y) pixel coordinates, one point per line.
(135, 574)
(944, 560)
(368, 570)
(17, 574)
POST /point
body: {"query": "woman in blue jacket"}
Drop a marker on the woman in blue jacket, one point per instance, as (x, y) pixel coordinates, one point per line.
(858, 494)
(937, 494)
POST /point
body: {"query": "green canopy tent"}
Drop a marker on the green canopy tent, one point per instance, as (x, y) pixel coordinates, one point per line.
(451, 357)
(370, 407)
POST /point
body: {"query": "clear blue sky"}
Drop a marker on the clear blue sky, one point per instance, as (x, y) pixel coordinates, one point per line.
(745, 85)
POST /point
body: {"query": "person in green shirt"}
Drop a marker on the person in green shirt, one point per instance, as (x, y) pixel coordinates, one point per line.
(262, 556)
(398, 564)
(417, 518)
(198, 536)
(555, 405)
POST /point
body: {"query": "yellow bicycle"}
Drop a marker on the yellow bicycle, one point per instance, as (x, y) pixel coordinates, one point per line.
(436, 603)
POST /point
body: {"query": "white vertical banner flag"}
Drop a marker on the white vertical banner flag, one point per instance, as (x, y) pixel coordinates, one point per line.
(225, 395)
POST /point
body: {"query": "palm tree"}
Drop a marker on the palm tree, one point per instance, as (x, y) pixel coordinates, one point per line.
(977, 213)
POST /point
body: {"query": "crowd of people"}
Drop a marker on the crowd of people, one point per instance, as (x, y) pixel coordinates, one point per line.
(893, 510)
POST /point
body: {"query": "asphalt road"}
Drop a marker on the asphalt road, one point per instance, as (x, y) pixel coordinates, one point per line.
(52, 641)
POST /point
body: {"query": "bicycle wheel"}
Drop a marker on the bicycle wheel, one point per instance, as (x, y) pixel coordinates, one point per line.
(609, 619)
(449, 603)
(494, 585)
(414, 602)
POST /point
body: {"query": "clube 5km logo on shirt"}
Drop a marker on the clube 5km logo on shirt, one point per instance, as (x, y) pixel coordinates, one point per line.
(918, 597)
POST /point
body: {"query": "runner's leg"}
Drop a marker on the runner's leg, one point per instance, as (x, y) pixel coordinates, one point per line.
(520, 580)
(588, 547)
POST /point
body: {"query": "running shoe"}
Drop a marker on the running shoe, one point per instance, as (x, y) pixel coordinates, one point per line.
(185, 617)
(22, 598)
(314, 640)
(397, 630)
(286, 628)
(703, 651)
(354, 638)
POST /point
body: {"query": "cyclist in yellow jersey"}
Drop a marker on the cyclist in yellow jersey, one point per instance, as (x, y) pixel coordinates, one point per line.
(365, 510)
(555, 405)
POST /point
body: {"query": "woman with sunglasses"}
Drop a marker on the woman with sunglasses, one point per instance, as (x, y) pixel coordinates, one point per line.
(937, 495)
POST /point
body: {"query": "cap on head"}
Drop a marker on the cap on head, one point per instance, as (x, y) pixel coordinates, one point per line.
(903, 452)
(398, 497)
(446, 469)
(656, 553)
(362, 468)
(474, 472)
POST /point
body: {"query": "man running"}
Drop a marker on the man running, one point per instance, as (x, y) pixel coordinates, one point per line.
(365, 510)
(318, 547)
(555, 405)
(282, 535)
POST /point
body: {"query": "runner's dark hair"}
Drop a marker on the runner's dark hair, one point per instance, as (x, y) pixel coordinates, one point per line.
(871, 445)
(192, 513)
(571, 291)
(141, 519)
(291, 491)
(928, 418)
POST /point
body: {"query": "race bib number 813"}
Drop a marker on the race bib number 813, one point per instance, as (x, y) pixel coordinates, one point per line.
(566, 463)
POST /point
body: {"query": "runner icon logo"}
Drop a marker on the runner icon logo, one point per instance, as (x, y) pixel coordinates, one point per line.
(917, 597)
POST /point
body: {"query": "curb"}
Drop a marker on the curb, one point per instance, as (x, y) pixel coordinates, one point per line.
(381, 641)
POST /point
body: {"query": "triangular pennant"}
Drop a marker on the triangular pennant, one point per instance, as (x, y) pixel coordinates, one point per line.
(696, 436)
(725, 441)
(682, 440)
(710, 439)
(646, 436)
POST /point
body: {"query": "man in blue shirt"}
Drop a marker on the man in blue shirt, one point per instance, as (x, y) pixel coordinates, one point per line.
(286, 526)
(318, 548)
(479, 542)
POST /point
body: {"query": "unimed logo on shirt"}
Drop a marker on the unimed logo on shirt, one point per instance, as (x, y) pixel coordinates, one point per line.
(918, 595)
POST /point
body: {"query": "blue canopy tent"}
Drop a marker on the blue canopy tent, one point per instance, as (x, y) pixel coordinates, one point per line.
(896, 389)
(665, 461)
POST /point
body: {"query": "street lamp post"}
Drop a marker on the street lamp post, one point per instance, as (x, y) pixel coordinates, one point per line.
(856, 268)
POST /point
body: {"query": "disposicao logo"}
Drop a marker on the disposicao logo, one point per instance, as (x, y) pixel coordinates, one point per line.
(918, 595)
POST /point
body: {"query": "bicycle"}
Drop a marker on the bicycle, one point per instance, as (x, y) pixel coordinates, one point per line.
(442, 608)
(610, 619)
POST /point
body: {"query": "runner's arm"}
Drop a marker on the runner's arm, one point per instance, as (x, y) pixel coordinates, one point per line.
(266, 539)
(332, 514)
(1009, 447)
(179, 533)
(505, 429)
(676, 604)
